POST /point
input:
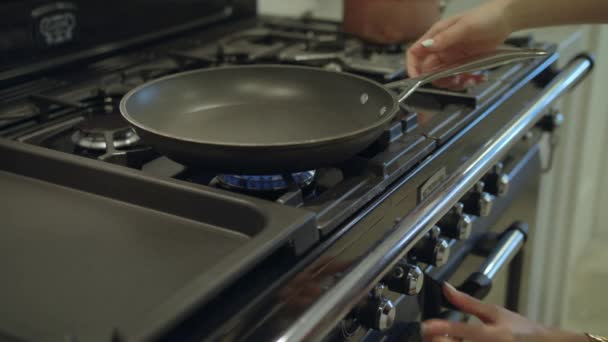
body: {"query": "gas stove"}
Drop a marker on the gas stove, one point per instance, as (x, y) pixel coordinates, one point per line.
(82, 117)
(231, 256)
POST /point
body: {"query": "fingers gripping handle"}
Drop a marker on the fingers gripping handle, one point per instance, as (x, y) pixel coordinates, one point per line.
(486, 61)
(471, 64)
(479, 283)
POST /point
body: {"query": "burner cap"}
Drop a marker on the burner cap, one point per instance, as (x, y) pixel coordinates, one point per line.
(94, 132)
(265, 183)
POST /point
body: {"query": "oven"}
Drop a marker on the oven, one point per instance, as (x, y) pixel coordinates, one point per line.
(123, 243)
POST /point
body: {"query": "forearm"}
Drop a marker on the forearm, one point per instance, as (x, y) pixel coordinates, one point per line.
(525, 14)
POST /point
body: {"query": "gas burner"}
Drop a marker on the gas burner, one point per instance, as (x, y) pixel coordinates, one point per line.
(346, 55)
(104, 126)
(269, 183)
(95, 132)
(267, 44)
(338, 50)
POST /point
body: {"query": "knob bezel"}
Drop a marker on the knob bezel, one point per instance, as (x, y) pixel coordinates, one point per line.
(432, 249)
(456, 224)
(497, 182)
(478, 202)
(406, 279)
(377, 313)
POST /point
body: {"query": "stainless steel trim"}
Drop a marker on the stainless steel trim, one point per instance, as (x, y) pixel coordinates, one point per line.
(508, 247)
(490, 60)
(336, 302)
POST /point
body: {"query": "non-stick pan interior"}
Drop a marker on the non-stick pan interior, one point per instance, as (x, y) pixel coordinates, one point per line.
(259, 105)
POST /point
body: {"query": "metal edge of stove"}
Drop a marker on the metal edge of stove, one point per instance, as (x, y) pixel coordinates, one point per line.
(301, 326)
(345, 291)
(414, 149)
(282, 225)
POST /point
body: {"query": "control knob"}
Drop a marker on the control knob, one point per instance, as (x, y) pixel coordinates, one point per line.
(478, 202)
(456, 224)
(497, 181)
(406, 279)
(432, 249)
(551, 121)
(378, 313)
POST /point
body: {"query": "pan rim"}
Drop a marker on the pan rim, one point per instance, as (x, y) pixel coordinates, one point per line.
(312, 142)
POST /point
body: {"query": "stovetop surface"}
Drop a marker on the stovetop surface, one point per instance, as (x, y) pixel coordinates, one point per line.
(76, 110)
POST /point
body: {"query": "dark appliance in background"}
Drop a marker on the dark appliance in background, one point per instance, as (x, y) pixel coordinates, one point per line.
(106, 239)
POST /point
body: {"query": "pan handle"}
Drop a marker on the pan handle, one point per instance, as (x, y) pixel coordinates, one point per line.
(486, 61)
(481, 62)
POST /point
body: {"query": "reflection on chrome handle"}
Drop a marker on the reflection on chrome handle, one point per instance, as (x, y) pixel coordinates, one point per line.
(508, 247)
(479, 283)
(483, 62)
(471, 64)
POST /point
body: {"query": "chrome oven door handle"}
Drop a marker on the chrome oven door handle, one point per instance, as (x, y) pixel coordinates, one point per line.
(335, 303)
(479, 283)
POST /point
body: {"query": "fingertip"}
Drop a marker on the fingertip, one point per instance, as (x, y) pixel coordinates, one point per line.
(468, 304)
(424, 45)
(411, 64)
(432, 327)
(417, 49)
(412, 69)
(452, 294)
(427, 43)
(430, 63)
(449, 288)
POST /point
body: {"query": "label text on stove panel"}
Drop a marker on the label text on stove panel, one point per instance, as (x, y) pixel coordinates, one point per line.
(431, 184)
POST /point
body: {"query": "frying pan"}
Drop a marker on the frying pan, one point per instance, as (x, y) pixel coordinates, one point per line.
(274, 119)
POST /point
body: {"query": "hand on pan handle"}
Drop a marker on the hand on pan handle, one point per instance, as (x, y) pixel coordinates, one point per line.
(499, 325)
(483, 28)
(477, 31)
